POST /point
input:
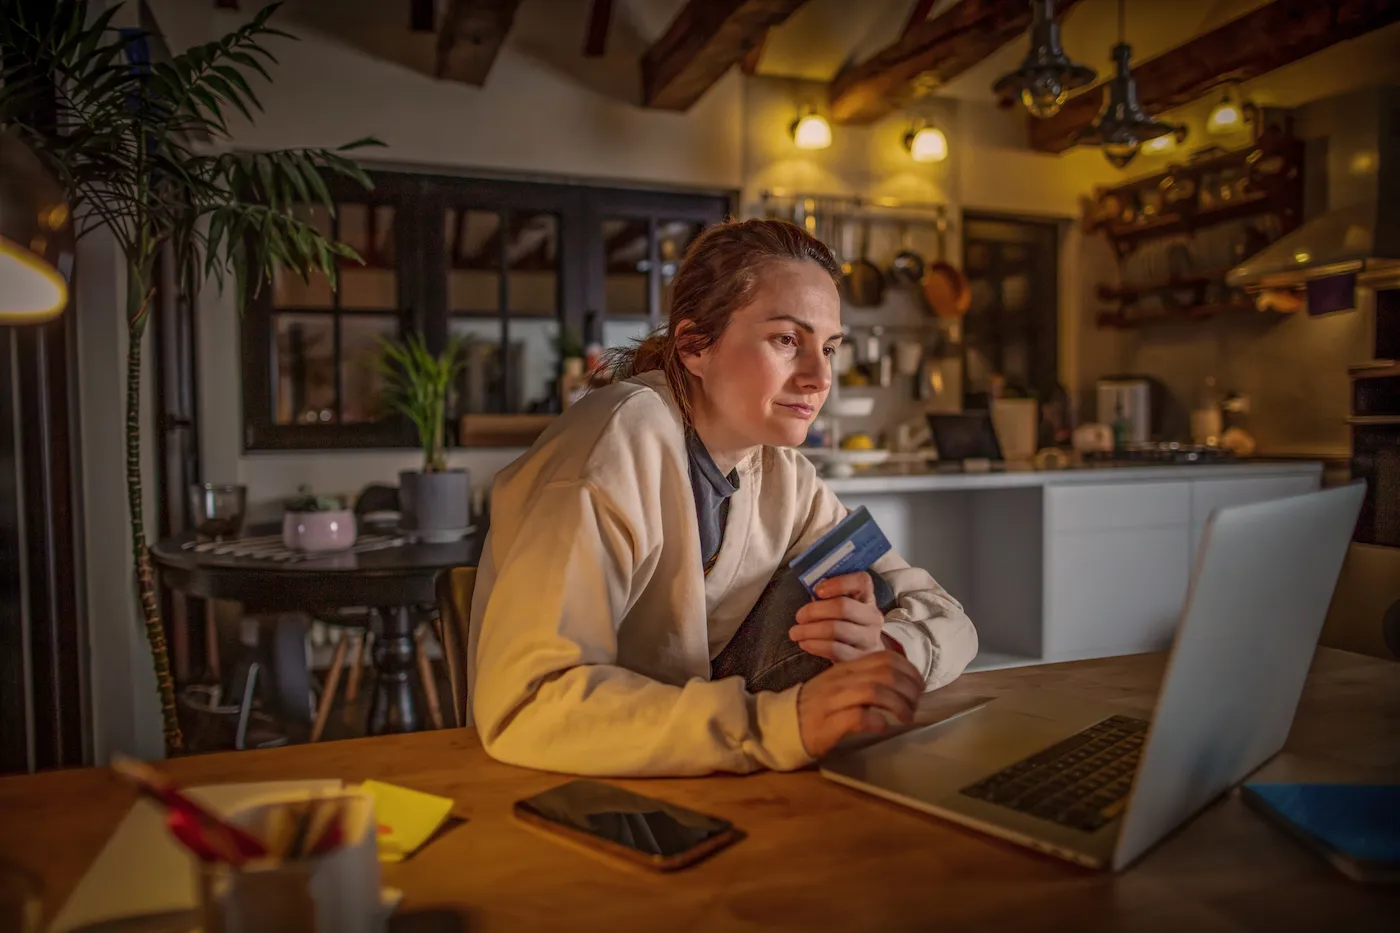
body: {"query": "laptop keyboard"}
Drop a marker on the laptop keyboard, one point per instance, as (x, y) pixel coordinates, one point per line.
(1082, 782)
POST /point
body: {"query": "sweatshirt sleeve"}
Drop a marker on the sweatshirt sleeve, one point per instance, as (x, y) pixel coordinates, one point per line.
(549, 693)
(930, 625)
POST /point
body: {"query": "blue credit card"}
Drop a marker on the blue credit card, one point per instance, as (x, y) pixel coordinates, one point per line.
(852, 546)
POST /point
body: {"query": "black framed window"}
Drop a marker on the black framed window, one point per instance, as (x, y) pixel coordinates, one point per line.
(508, 267)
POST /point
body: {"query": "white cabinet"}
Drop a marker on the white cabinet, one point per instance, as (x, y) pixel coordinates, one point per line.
(1211, 494)
(1116, 565)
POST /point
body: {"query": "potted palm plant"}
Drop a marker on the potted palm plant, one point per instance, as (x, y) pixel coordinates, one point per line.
(140, 148)
(435, 502)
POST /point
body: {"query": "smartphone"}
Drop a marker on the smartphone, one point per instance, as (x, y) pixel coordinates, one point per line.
(642, 830)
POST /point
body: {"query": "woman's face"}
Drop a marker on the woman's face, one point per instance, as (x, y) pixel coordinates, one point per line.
(767, 376)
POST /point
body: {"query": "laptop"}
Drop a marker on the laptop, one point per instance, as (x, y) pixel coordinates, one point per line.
(964, 435)
(1099, 785)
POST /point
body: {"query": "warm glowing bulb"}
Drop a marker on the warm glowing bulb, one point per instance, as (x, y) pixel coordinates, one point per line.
(1224, 118)
(1164, 143)
(1301, 257)
(927, 144)
(811, 132)
(31, 290)
(1044, 96)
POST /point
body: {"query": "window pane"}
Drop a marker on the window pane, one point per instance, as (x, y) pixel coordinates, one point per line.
(473, 244)
(673, 238)
(625, 252)
(479, 386)
(288, 289)
(369, 229)
(534, 366)
(623, 333)
(361, 382)
(304, 367)
(533, 256)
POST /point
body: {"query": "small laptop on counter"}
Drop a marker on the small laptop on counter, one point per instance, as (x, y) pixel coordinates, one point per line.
(965, 436)
(1099, 785)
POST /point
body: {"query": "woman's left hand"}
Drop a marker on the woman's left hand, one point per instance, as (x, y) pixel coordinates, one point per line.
(843, 623)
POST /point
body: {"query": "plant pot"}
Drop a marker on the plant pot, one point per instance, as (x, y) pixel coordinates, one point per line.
(318, 532)
(435, 508)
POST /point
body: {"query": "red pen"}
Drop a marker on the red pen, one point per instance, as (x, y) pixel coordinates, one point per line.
(232, 843)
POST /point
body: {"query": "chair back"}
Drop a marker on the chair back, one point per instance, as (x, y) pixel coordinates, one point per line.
(377, 497)
(454, 595)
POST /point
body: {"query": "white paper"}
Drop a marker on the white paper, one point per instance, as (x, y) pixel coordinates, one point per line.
(144, 872)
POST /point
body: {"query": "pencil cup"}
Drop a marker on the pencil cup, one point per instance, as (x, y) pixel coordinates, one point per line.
(334, 892)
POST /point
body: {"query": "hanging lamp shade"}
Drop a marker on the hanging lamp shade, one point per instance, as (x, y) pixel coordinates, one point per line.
(1046, 76)
(1122, 125)
(36, 237)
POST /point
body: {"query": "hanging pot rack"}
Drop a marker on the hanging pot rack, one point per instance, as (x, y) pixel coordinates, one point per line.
(857, 207)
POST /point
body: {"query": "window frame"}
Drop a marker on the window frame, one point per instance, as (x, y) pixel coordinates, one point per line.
(420, 202)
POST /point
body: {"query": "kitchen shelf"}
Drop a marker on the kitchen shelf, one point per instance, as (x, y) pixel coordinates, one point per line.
(1262, 180)
(1131, 290)
(1195, 313)
(1378, 369)
(1128, 235)
(1374, 419)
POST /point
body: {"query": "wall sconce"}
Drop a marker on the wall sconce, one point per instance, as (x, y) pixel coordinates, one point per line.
(1228, 117)
(36, 237)
(811, 131)
(926, 143)
(1167, 142)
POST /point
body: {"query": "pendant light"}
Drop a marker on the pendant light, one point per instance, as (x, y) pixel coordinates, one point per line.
(1123, 126)
(1046, 76)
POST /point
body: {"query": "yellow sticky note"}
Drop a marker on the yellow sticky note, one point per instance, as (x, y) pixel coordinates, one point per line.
(406, 818)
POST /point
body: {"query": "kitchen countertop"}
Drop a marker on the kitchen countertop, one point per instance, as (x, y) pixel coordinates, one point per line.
(907, 477)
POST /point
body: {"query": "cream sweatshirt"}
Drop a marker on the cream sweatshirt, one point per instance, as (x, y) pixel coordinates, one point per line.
(593, 624)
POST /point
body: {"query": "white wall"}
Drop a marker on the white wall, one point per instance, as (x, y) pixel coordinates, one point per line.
(125, 708)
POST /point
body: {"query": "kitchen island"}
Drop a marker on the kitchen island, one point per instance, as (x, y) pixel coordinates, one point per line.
(1060, 565)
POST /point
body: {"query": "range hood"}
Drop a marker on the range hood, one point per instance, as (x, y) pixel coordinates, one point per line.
(1358, 229)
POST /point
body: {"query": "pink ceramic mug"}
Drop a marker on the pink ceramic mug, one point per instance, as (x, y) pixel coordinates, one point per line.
(319, 531)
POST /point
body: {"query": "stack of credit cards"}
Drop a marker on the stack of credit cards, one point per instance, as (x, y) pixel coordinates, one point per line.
(853, 545)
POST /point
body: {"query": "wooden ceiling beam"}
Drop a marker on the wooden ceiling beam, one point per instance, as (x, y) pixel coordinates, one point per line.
(749, 64)
(917, 14)
(934, 50)
(471, 35)
(706, 39)
(599, 18)
(1256, 43)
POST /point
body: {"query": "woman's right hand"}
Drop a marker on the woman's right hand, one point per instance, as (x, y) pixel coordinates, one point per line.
(847, 697)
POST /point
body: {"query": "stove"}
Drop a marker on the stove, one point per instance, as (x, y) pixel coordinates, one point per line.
(1172, 454)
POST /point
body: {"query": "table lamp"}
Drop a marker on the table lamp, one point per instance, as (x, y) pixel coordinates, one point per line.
(36, 237)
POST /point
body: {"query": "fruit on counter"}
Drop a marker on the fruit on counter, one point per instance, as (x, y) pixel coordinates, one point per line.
(1238, 441)
(857, 442)
(1093, 437)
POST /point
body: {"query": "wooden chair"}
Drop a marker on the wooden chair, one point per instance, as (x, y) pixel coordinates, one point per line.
(454, 592)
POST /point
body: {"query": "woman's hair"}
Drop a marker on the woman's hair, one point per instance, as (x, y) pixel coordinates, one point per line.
(718, 275)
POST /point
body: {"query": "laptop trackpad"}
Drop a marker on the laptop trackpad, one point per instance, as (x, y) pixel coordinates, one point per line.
(935, 761)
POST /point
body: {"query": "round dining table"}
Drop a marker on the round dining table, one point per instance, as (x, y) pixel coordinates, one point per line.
(395, 580)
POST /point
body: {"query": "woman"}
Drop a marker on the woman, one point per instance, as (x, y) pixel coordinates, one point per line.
(637, 552)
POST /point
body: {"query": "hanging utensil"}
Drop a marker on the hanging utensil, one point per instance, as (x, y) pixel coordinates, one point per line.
(865, 284)
(945, 287)
(908, 266)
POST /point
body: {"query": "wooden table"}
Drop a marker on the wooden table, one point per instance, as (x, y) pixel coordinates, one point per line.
(818, 856)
